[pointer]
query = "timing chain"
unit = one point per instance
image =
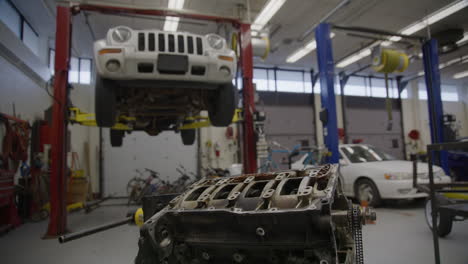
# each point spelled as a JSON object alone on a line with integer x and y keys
{"x": 357, "y": 233}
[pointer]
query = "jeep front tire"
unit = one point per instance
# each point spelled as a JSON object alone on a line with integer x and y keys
{"x": 222, "y": 105}
{"x": 105, "y": 103}
{"x": 188, "y": 136}
{"x": 116, "y": 137}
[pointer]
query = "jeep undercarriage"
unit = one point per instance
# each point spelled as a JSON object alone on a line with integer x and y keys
{"x": 160, "y": 109}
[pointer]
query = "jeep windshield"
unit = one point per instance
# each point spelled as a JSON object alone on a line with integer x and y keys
{"x": 365, "y": 153}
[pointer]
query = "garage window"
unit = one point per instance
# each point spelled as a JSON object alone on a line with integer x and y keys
{"x": 85, "y": 71}
{"x": 378, "y": 88}
{"x": 308, "y": 83}
{"x": 271, "y": 80}
{"x": 74, "y": 69}
{"x": 80, "y": 68}
{"x": 10, "y": 17}
{"x": 448, "y": 92}
{"x": 30, "y": 38}
{"x": 290, "y": 81}
{"x": 260, "y": 78}
{"x": 15, "y": 21}
{"x": 52, "y": 61}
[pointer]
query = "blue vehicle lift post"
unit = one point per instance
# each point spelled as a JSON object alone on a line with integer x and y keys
{"x": 434, "y": 100}
{"x": 327, "y": 93}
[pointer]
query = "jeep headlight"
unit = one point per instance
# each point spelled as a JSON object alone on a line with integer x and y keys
{"x": 121, "y": 34}
{"x": 398, "y": 176}
{"x": 215, "y": 42}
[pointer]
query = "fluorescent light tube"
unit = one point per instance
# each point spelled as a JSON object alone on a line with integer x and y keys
{"x": 309, "y": 47}
{"x": 268, "y": 11}
{"x": 463, "y": 40}
{"x": 176, "y": 4}
{"x": 435, "y": 17}
{"x": 355, "y": 57}
{"x": 171, "y": 23}
{"x": 460, "y": 60}
{"x": 460, "y": 75}
{"x": 297, "y": 55}
{"x": 412, "y": 28}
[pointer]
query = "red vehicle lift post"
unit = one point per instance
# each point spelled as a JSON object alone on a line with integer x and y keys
{"x": 58, "y": 212}
{"x": 249, "y": 145}
{"x": 58, "y": 219}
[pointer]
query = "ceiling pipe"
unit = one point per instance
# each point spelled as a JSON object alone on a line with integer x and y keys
{"x": 88, "y": 24}
{"x": 356, "y": 35}
{"x": 324, "y": 19}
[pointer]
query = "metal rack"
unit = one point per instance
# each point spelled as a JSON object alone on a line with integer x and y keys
{"x": 455, "y": 209}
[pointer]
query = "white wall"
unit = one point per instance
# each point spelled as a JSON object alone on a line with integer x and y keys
{"x": 318, "y": 123}
{"x": 27, "y": 94}
{"x": 85, "y": 140}
{"x": 216, "y": 136}
{"x": 162, "y": 153}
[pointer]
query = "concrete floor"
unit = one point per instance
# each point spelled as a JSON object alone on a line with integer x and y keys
{"x": 400, "y": 236}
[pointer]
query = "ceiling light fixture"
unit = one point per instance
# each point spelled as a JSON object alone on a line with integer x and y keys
{"x": 357, "y": 56}
{"x": 268, "y": 11}
{"x": 460, "y": 75}
{"x": 463, "y": 40}
{"x": 171, "y": 23}
{"x": 456, "y": 61}
{"x": 309, "y": 47}
{"x": 412, "y": 28}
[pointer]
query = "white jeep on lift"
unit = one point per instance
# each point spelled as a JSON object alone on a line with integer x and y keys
{"x": 161, "y": 78}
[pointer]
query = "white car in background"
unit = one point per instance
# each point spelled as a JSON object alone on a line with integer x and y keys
{"x": 369, "y": 174}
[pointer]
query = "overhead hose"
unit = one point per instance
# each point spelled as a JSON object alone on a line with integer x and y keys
{"x": 388, "y": 105}
{"x": 388, "y": 61}
{"x": 15, "y": 142}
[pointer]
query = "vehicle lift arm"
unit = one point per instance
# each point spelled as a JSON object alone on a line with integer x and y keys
{"x": 88, "y": 119}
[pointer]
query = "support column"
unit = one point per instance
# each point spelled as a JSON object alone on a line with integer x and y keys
{"x": 343, "y": 80}
{"x": 434, "y": 100}
{"x": 326, "y": 73}
{"x": 249, "y": 147}
{"x": 58, "y": 214}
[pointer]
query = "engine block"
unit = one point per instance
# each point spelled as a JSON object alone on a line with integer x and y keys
{"x": 294, "y": 216}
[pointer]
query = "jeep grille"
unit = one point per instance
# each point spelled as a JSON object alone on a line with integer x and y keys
{"x": 170, "y": 43}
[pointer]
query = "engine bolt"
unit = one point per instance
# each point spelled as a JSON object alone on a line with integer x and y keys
{"x": 205, "y": 256}
{"x": 260, "y": 231}
{"x": 238, "y": 257}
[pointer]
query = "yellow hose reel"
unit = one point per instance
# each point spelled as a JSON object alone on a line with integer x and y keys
{"x": 388, "y": 60}
{"x": 260, "y": 45}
